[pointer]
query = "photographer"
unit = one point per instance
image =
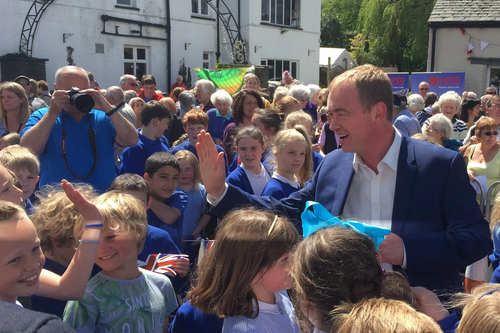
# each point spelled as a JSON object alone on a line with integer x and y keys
{"x": 77, "y": 143}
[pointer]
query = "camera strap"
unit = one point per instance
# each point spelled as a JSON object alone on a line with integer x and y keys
{"x": 93, "y": 146}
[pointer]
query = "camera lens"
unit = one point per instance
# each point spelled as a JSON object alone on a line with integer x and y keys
{"x": 83, "y": 103}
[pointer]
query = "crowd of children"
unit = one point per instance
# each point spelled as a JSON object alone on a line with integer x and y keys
{"x": 127, "y": 260}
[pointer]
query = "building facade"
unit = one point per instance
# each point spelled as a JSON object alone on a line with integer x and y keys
{"x": 113, "y": 37}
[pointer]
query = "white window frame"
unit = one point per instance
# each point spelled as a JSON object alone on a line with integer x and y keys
{"x": 131, "y": 3}
{"x": 207, "y": 61}
{"x": 136, "y": 61}
{"x": 199, "y": 5}
{"x": 270, "y": 7}
{"x": 277, "y": 72}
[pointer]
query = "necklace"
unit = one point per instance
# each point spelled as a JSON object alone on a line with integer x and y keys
{"x": 7, "y": 125}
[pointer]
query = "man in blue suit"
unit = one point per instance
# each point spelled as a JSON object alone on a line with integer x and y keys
{"x": 380, "y": 177}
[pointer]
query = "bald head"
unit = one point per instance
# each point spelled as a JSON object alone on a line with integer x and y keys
{"x": 114, "y": 95}
{"x": 71, "y": 76}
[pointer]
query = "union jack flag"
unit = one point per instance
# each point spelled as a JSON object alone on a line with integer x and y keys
{"x": 161, "y": 263}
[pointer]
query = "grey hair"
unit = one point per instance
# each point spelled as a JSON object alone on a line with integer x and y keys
{"x": 115, "y": 93}
{"x": 451, "y": 96}
{"x": 471, "y": 95}
{"x": 180, "y": 77}
{"x": 435, "y": 109}
{"x": 221, "y": 96}
{"x": 315, "y": 89}
{"x": 128, "y": 95}
{"x": 442, "y": 125}
{"x": 300, "y": 92}
{"x": 206, "y": 86}
{"x": 61, "y": 71}
{"x": 124, "y": 78}
{"x": 187, "y": 98}
{"x": 416, "y": 102}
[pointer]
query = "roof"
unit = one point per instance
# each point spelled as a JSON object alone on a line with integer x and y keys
{"x": 333, "y": 53}
{"x": 465, "y": 11}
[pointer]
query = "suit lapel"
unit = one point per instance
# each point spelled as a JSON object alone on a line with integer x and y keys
{"x": 346, "y": 172}
{"x": 407, "y": 170}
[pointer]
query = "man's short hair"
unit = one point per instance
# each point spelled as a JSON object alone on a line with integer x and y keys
{"x": 60, "y": 71}
{"x": 90, "y": 76}
{"x": 205, "y": 85}
{"x": 115, "y": 93}
{"x": 195, "y": 117}
{"x": 431, "y": 98}
{"x": 128, "y": 95}
{"x": 152, "y": 110}
{"x": 130, "y": 182}
{"x": 124, "y": 78}
{"x": 372, "y": 84}
{"x": 160, "y": 159}
{"x": 148, "y": 79}
{"x": 20, "y": 158}
{"x": 42, "y": 84}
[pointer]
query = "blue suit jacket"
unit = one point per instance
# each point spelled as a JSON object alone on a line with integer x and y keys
{"x": 446, "y": 233}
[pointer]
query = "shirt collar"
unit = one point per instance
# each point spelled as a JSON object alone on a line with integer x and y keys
{"x": 227, "y": 116}
{"x": 294, "y": 184}
{"x": 390, "y": 159}
{"x": 262, "y": 171}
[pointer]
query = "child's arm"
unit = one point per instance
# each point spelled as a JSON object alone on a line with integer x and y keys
{"x": 72, "y": 284}
{"x": 204, "y": 220}
{"x": 164, "y": 212}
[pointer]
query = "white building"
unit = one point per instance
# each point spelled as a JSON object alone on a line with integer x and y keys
{"x": 111, "y": 37}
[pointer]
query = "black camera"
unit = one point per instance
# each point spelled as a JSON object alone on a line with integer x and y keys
{"x": 82, "y": 102}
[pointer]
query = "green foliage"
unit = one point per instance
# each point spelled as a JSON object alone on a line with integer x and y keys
{"x": 332, "y": 34}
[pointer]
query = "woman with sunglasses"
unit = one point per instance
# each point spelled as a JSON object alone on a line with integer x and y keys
{"x": 14, "y": 108}
{"x": 483, "y": 158}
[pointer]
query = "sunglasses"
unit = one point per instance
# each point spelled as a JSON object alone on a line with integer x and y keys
{"x": 25, "y": 83}
{"x": 133, "y": 84}
{"x": 490, "y": 133}
{"x": 424, "y": 88}
{"x": 491, "y": 93}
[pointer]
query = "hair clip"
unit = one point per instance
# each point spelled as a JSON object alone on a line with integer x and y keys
{"x": 384, "y": 274}
{"x": 488, "y": 293}
{"x": 97, "y": 241}
{"x": 97, "y": 225}
{"x": 272, "y": 225}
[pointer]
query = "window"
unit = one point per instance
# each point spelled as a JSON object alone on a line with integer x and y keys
{"x": 135, "y": 61}
{"x": 207, "y": 57}
{"x": 281, "y": 12}
{"x": 125, "y": 2}
{"x": 276, "y": 68}
{"x": 199, "y": 7}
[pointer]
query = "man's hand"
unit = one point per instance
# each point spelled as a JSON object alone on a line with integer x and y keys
{"x": 391, "y": 250}
{"x": 428, "y": 303}
{"x": 212, "y": 165}
{"x": 100, "y": 103}
{"x": 59, "y": 100}
{"x": 181, "y": 266}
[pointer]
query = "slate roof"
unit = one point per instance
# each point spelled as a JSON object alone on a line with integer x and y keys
{"x": 465, "y": 11}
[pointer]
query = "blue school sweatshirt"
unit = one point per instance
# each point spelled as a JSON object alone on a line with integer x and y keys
{"x": 189, "y": 319}
{"x": 187, "y": 146}
{"x": 277, "y": 189}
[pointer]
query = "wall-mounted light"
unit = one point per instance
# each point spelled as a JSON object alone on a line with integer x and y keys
{"x": 256, "y": 48}
{"x": 284, "y": 31}
{"x": 310, "y": 51}
{"x": 186, "y": 46}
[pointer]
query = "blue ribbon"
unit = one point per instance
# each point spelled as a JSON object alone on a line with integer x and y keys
{"x": 316, "y": 217}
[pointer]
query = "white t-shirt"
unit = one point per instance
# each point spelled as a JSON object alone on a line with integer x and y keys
{"x": 259, "y": 181}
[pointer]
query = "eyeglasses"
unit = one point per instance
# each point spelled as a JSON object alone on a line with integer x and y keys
{"x": 495, "y": 106}
{"x": 133, "y": 84}
{"x": 432, "y": 128}
{"x": 491, "y": 93}
{"x": 424, "y": 88}
{"x": 490, "y": 133}
{"x": 25, "y": 83}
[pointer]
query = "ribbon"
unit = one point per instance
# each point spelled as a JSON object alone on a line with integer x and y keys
{"x": 316, "y": 217}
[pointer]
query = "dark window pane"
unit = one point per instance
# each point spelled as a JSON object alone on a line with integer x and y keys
{"x": 265, "y": 10}
{"x": 288, "y": 12}
{"x": 123, "y": 2}
{"x": 141, "y": 69}
{"x": 141, "y": 54}
{"x": 286, "y": 65}
{"x": 294, "y": 69}
{"x": 206, "y": 65}
{"x": 205, "y": 56}
{"x": 263, "y": 62}
{"x": 272, "y": 75}
{"x": 273, "y": 11}
{"x": 128, "y": 53}
{"x": 194, "y": 6}
{"x": 279, "y": 12}
{"x": 128, "y": 68}
{"x": 204, "y": 7}
{"x": 279, "y": 68}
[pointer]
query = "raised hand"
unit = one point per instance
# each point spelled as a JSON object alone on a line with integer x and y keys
{"x": 212, "y": 165}
{"x": 88, "y": 210}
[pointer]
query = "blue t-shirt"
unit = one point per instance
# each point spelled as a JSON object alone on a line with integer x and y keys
{"x": 134, "y": 158}
{"x": 196, "y": 202}
{"x": 189, "y": 319}
{"x": 78, "y": 149}
{"x": 177, "y": 200}
{"x": 187, "y": 146}
{"x": 157, "y": 241}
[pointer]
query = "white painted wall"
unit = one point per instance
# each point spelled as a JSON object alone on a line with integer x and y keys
{"x": 451, "y": 54}
{"x": 83, "y": 19}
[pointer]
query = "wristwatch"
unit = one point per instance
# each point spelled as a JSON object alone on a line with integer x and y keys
{"x": 118, "y": 107}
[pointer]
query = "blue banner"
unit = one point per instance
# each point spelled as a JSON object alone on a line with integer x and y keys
{"x": 439, "y": 82}
{"x": 400, "y": 82}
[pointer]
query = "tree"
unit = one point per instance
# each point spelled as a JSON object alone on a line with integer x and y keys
{"x": 339, "y": 21}
{"x": 332, "y": 34}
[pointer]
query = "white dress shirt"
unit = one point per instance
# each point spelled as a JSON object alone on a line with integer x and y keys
{"x": 294, "y": 184}
{"x": 371, "y": 196}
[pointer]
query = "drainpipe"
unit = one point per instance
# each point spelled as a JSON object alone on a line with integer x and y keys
{"x": 169, "y": 47}
{"x": 433, "y": 48}
{"x": 217, "y": 54}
